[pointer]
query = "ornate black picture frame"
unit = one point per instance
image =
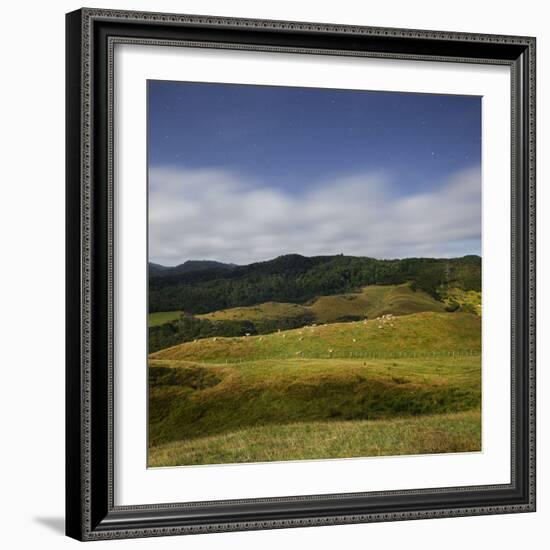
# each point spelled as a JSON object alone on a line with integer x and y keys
{"x": 90, "y": 509}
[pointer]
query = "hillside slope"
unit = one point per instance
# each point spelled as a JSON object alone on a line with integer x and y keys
{"x": 190, "y": 399}
{"x": 420, "y": 332}
{"x": 426, "y": 434}
{"x": 258, "y": 398}
{"x": 372, "y": 301}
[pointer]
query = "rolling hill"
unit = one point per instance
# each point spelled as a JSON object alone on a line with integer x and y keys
{"x": 260, "y": 312}
{"x": 372, "y": 301}
{"x": 386, "y": 360}
{"x": 411, "y": 386}
{"x": 191, "y": 399}
{"x": 429, "y": 331}
{"x": 314, "y": 440}
{"x": 389, "y": 385}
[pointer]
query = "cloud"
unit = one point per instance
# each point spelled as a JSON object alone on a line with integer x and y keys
{"x": 220, "y": 215}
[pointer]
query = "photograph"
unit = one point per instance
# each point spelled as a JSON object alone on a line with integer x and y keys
{"x": 314, "y": 273}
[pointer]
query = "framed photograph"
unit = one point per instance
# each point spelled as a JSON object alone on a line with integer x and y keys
{"x": 300, "y": 274}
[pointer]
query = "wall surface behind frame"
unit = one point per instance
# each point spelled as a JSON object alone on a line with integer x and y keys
{"x": 32, "y": 245}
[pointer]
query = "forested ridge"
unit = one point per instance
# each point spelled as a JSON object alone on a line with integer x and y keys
{"x": 297, "y": 279}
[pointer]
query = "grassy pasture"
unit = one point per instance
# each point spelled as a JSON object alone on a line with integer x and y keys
{"x": 190, "y": 400}
{"x": 374, "y": 301}
{"x": 161, "y": 317}
{"x": 443, "y": 433}
{"x": 371, "y": 302}
{"x": 267, "y": 310}
{"x": 407, "y": 385}
{"x": 408, "y": 335}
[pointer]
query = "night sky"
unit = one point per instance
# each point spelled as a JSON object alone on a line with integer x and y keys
{"x": 216, "y": 151}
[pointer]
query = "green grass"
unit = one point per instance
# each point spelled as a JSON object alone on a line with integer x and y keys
{"x": 267, "y": 310}
{"x": 421, "y": 333}
{"x": 161, "y": 317}
{"x": 188, "y": 400}
{"x": 371, "y": 302}
{"x": 374, "y": 301}
{"x": 444, "y": 433}
{"x": 283, "y": 396}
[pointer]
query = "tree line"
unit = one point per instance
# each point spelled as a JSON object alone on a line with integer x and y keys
{"x": 298, "y": 279}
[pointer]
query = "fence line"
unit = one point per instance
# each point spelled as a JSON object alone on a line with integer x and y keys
{"x": 357, "y": 355}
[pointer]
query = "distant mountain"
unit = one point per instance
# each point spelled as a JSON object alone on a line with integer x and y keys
{"x": 205, "y": 286}
{"x": 156, "y": 268}
{"x": 188, "y": 267}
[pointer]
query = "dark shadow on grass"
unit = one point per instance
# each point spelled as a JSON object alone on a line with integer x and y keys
{"x": 56, "y": 524}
